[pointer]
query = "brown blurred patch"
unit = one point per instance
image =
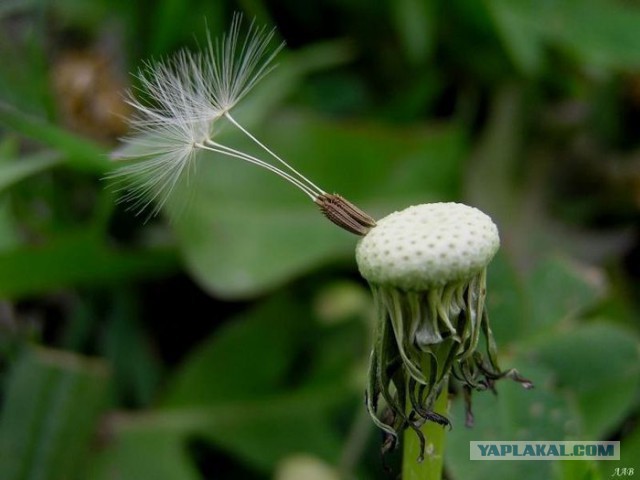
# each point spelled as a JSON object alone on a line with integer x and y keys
{"x": 89, "y": 94}
{"x": 632, "y": 87}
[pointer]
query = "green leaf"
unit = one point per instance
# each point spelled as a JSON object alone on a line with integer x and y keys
{"x": 600, "y": 34}
{"x": 260, "y": 431}
{"x": 491, "y": 171}
{"x": 136, "y": 367}
{"x": 49, "y": 415}
{"x": 144, "y": 453}
{"x": 9, "y": 234}
{"x": 517, "y": 24}
{"x": 559, "y": 290}
{"x": 81, "y": 153}
{"x": 415, "y": 24}
{"x": 600, "y": 365}
{"x": 513, "y": 414}
{"x": 582, "y": 470}
{"x": 233, "y": 390}
{"x": 73, "y": 259}
{"x": 629, "y": 448}
{"x": 17, "y": 170}
{"x": 169, "y": 18}
{"x": 506, "y": 300}
{"x": 11, "y": 7}
{"x": 529, "y": 307}
{"x": 245, "y": 358}
{"x": 586, "y": 381}
{"x": 262, "y": 437}
{"x": 24, "y": 72}
{"x": 246, "y": 231}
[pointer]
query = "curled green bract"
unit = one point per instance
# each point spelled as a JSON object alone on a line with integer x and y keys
{"x": 426, "y": 266}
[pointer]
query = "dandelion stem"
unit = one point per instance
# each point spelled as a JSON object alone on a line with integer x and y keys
{"x": 435, "y": 435}
{"x": 317, "y": 190}
{"x": 219, "y": 148}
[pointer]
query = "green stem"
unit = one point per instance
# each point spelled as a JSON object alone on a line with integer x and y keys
{"x": 431, "y": 467}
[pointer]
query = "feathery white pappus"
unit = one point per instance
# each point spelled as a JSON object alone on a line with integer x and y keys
{"x": 180, "y": 101}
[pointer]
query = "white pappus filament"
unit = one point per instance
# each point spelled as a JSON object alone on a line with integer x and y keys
{"x": 181, "y": 101}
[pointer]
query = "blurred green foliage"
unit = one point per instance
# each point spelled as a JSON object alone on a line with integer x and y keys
{"x": 234, "y": 338}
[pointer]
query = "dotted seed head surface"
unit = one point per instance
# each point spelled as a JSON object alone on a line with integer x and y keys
{"x": 427, "y": 246}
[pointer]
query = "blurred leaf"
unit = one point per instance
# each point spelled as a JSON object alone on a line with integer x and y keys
{"x": 9, "y": 236}
{"x": 490, "y": 176}
{"x": 290, "y": 72}
{"x": 246, "y": 231}
{"x": 415, "y": 24}
{"x": 49, "y": 415}
{"x": 586, "y": 381}
{"x": 245, "y": 358}
{"x": 506, "y": 300}
{"x": 169, "y": 17}
{"x": 517, "y": 22}
{"x": 600, "y": 365}
{"x": 142, "y": 454}
{"x": 11, "y": 7}
{"x": 629, "y": 448}
{"x": 559, "y": 290}
{"x": 261, "y": 438}
{"x": 24, "y": 78}
{"x": 136, "y": 368}
{"x": 341, "y": 301}
{"x": 260, "y": 431}
{"x": 17, "y": 170}
{"x": 513, "y": 414}
{"x": 82, "y": 154}
{"x": 583, "y": 470}
{"x": 601, "y": 34}
{"x": 232, "y": 391}
{"x": 73, "y": 259}
{"x": 299, "y": 466}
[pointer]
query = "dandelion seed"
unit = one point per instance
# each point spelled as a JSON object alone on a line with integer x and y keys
{"x": 182, "y": 100}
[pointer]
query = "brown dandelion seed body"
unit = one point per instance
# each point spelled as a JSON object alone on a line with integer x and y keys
{"x": 345, "y": 214}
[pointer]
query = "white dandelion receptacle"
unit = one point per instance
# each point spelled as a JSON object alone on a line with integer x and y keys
{"x": 428, "y": 246}
{"x": 426, "y": 266}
